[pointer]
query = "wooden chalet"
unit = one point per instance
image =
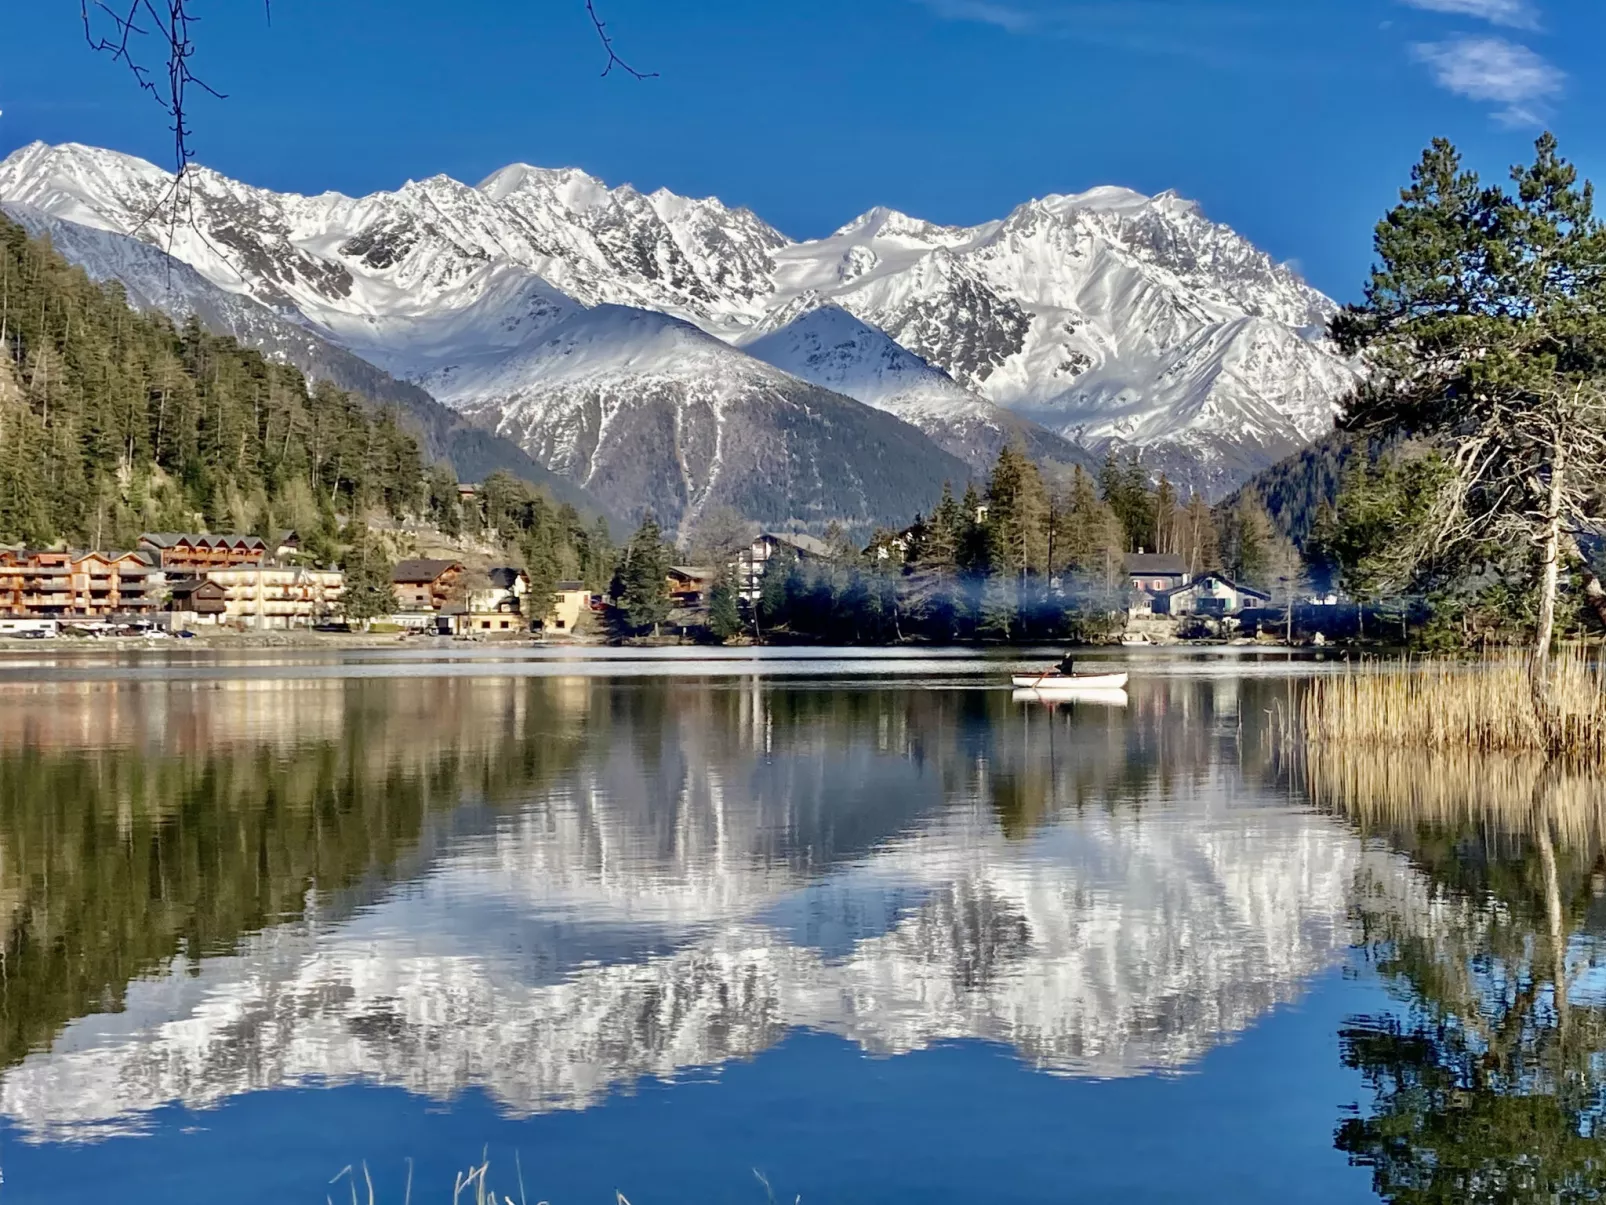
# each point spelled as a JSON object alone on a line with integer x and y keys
{"x": 424, "y": 584}
{"x": 180, "y": 552}
{"x": 66, "y": 584}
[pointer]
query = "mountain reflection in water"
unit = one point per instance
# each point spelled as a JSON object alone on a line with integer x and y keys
{"x": 550, "y": 888}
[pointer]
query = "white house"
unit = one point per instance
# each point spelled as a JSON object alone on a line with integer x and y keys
{"x": 1210, "y": 594}
{"x": 753, "y": 559}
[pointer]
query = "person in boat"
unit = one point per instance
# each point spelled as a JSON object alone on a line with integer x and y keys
{"x": 1067, "y": 665}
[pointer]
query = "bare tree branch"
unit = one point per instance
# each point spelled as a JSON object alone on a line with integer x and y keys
{"x": 607, "y": 44}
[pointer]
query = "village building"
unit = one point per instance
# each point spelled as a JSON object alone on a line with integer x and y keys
{"x": 1155, "y": 573}
{"x": 689, "y": 585}
{"x": 498, "y": 606}
{"x": 186, "y": 553}
{"x": 570, "y": 600}
{"x": 891, "y": 546}
{"x": 503, "y": 593}
{"x": 267, "y": 597}
{"x": 72, "y": 585}
{"x": 751, "y": 562}
{"x": 1211, "y": 594}
{"x": 424, "y": 584}
{"x": 196, "y": 600}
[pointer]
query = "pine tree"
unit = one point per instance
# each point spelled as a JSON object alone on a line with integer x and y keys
{"x": 724, "y": 609}
{"x": 1017, "y": 515}
{"x": 1247, "y": 542}
{"x": 369, "y": 592}
{"x": 1124, "y": 487}
{"x": 1484, "y": 326}
{"x": 640, "y": 585}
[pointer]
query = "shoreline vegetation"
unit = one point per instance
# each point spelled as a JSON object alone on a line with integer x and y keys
{"x": 1483, "y": 331}
{"x": 1482, "y": 706}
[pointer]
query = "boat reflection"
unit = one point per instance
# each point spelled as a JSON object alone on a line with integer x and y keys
{"x": 1070, "y": 698}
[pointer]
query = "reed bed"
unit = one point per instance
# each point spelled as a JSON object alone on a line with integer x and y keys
{"x": 1484, "y": 707}
{"x": 1447, "y": 789}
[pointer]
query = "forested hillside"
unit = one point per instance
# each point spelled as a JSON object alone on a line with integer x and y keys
{"x": 114, "y": 422}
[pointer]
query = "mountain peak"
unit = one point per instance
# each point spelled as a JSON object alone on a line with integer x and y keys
{"x": 580, "y": 189}
{"x": 882, "y": 222}
{"x": 1105, "y": 314}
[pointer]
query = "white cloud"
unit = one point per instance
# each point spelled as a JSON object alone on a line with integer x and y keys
{"x": 1495, "y": 71}
{"x": 1515, "y": 14}
{"x": 983, "y": 12}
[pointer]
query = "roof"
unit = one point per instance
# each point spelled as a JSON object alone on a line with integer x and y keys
{"x": 421, "y": 570}
{"x": 190, "y": 585}
{"x": 171, "y": 539}
{"x": 568, "y": 587}
{"x": 807, "y": 545}
{"x": 503, "y": 577}
{"x": 1166, "y": 564}
{"x": 695, "y": 573}
{"x": 1217, "y": 575}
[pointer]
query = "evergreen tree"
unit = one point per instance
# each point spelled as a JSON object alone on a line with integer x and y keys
{"x": 1125, "y": 489}
{"x": 369, "y": 592}
{"x": 1484, "y": 326}
{"x": 640, "y": 585}
{"x": 724, "y": 609}
{"x": 775, "y": 586}
{"x": 1017, "y": 515}
{"x": 971, "y": 553}
{"x": 1247, "y": 543}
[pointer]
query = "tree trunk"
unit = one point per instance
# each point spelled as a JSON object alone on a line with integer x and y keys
{"x": 1543, "y": 797}
{"x": 1549, "y": 583}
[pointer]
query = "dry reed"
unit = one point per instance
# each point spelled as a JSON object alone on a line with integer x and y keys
{"x": 1446, "y": 789}
{"x": 1485, "y": 707}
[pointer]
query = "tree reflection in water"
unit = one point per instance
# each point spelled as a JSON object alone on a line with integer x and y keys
{"x": 1488, "y": 1079}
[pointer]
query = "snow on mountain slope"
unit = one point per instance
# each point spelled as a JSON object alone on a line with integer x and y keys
{"x": 829, "y": 347}
{"x": 660, "y": 417}
{"x": 1108, "y": 316}
{"x": 156, "y": 281}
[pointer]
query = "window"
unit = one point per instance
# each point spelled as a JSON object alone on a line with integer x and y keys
{"x": 504, "y": 625}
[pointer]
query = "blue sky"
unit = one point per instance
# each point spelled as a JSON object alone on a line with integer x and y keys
{"x": 1295, "y": 121}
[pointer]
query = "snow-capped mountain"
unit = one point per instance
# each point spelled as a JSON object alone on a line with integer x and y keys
{"x": 155, "y": 280}
{"x": 1108, "y": 316}
{"x": 657, "y": 415}
{"x": 827, "y": 346}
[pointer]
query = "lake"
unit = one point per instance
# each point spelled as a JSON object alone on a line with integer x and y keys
{"x": 834, "y": 925}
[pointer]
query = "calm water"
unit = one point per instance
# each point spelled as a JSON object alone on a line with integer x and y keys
{"x": 859, "y": 930}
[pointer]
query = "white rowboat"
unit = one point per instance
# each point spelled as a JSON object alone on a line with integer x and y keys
{"x": 1054, "y": 682}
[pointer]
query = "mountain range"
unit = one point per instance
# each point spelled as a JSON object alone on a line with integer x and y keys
{"x": 672, "y": 354}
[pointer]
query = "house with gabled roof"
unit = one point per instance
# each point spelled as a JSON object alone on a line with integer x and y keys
{"x": 1210, "y": 594}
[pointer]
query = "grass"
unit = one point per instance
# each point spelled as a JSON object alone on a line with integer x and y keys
{"x": 1483, "y": 707}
